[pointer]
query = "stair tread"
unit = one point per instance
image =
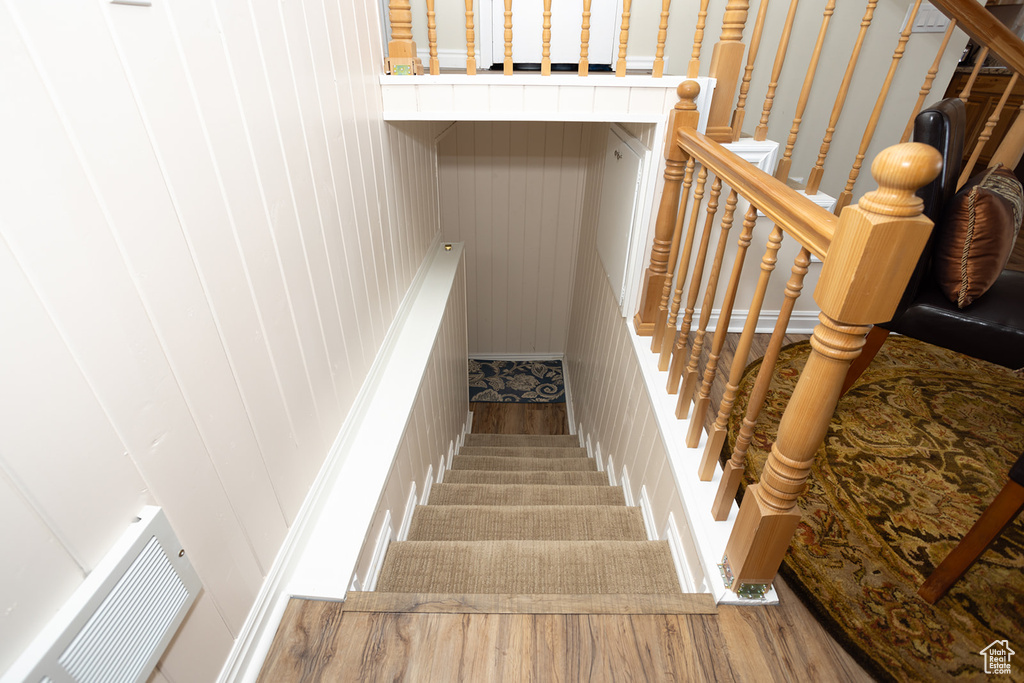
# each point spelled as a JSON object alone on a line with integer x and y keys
{"x": 567, "y": 441}
{"x": 524, "y": 494}
{"x": 524, "y": 451}
{"x": 507, "y": 603}
{"x": 585, "y": 478}
{"x": 570, "y": 567}
{"x": 488, "y": 462}
{"x": 526, "y": 522}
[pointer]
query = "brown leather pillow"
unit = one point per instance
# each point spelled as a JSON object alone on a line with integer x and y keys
{"x": 975, "y": 236}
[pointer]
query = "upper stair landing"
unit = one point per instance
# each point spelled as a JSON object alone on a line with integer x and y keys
{"x": 524, "y": 97}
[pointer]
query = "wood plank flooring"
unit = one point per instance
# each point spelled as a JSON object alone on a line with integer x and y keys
{"x": 321, "y": 641}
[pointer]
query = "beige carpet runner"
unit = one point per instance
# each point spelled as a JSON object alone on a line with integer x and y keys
{"x": 521, "y": 517}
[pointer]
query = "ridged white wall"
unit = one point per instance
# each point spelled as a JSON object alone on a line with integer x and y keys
{"x": 513, "y": 193}
{"x": 205, "y": 232}
{"x": 439, "y": 414}
{"x": 608, "y": 392}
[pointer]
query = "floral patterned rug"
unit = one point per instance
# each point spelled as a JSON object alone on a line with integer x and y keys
{"x": 513, "y": 381}
{"x": 916, "y": 450}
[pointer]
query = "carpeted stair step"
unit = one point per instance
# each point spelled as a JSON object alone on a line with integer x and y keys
{"x": 527, "y": 522}
{"x": 561, "y": 567}
{"x": 497, "y": 477}
{"x": 506, "y": 464}
{"x": 518, "y": 494}
{"x": 521, "y": 440}
{"x": 524, "y": 451}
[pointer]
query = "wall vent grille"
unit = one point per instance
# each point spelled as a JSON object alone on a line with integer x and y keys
{"x": 118, "y": 623}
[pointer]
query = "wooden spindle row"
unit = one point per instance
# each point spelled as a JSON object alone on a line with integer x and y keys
{"x": 761, "y": 132}
{"x": 748, "y": 72}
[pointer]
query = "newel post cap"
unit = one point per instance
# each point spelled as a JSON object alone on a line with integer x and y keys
{"x": 687, "y": 92}
{"x": 899, "y": 171}
{"x": 877, "y": 243}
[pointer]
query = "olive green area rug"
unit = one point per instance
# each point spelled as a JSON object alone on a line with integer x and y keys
{"x": 916, "y": 451}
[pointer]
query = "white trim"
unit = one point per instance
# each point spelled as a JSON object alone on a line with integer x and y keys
{"x": 446, "y": 58}
{"x": 648, "y": 514}
{"x": 439, "y": 479}
{"x": 428, "y": 482}
{"x": 597, "y": 457}
{"x": 380, "y": 549}
{"x": 590, "y": 449}
{"x": 611, "y": 471}
{"x": 410, "y": 508}
{"x": 498, "y": 355}
{"x": 761, "y": 153}
{"x": 579, "y": 433}
{"x": 422, "y": 307}
{"x": 467, "y": 428}
{"x": 355, "y": 585}
{"x": 627, "y": 490}
{"x": 697, "y": 496}
{"x": 452, "y": 447}
{"x": 675, "y": 545}
{"x": 570, "y": 414}
{"x": 647, "y": 179}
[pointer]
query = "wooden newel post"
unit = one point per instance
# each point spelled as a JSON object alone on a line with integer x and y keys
{"x": 684, "y": 114}
{"x": 401, "y": 48}
{"x": 869, "y": 262}
{"x": 726, "y": 65}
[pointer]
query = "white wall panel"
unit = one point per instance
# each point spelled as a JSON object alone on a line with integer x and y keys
{"x": 206, "y": 229}
{"x": 513, "y": 193}
{"x": 609, "y": 396}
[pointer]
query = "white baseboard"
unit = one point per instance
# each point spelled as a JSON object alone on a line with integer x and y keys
{"x": 590, "y": 449}
{"x": 687, "y": 581}
{"x": 800, "y": 322}
{"x": 627, "y": 490}
{"x": 410, "y": 507}
{"x": 597, "y": 457}
{"x": 501, "y": 355}
{"x": 611, "y": 471}
{"x": 429, "y": 483}
{"x": 579, "y": 433}
{"x": 648, "y": 515}
{"x": 570, "y": 415}
{"x": 380, "y": 549}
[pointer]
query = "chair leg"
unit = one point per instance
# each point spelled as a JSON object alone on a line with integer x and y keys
{"x": 876, "y": 337}
{"x": 1003, "y": 510}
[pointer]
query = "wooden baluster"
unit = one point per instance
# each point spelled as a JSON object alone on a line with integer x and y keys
{"x": 1011, "y": 148}
{"x": 470, "y": 40}
{"x": 659, "y": 51}
{"x": 620, "y": 65}
{"x": 965, "y": 94}
{"x": 545, "y": 57}
{"x": 703, "y": 398}
{"x": 401, "y": 47}
{"x": 732, "y": 474}
{"x": 679, "y": 354}
{"x": 986, "y": 133}
{"x": 669, "y": 334}
{"x": 782, "y": 171}
{"x": 726, "y": 62}
{"x": 507, "y": 64}
{"x": 814, "y": 177}
{"x": 748, "y": 72}
{"x": 717, "y": 437}
{"x": 710, "y": 290}
{"x": 761, "y": 132}
{"x": 584, "y": 39}
{"x": 684, "y": 114}
{"x": 878, "y": 241}
{"x": 846, "y": 196}
{"x": 929, "y": 78}
{"x": 662, "y": 317}
{"x": 435, "y": 66}
{"x": 693, "y": 68}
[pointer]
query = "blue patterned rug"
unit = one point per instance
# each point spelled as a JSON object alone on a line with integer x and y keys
{"x": 516, "y": 381}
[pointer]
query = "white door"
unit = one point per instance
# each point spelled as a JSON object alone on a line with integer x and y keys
{"x": 619, "y": 202}
{"x": 566, "y": 25}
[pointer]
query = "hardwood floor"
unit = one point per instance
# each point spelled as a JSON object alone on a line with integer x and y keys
{"x": 519, "y": 418}
{"x": 321, "y": 641}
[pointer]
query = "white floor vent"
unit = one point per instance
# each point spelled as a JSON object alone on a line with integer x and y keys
{"x": 118, "y": 623}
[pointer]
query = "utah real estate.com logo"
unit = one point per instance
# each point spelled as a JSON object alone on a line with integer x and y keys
{"x": 997, "y": 657}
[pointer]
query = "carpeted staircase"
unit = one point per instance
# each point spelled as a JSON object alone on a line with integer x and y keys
{"x": 531, "y": 515}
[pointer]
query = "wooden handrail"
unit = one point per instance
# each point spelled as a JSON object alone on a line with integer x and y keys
{"x": 808, "y": 223}
{"x": 973, "y": 19}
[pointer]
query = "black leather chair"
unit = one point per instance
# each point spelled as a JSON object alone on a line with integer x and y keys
{"x": 991, "y": 328}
